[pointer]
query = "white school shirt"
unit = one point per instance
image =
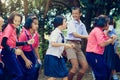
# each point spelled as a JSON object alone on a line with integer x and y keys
{"x": 55, "y": 37}
{"x": 75, "y": 26}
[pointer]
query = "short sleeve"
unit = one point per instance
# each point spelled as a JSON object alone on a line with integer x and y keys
{"x": 100, "y": 37}
{"x": 22, "y": 37}
{"x": 53, "y": 37}
{"x": 37, "y": 40}
{"x": 8, "y": 31}
{"x": 84, "y": 30}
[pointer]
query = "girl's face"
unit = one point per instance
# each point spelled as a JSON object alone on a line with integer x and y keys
{"x": 64, "y": 24}
{"x": 16, "y": 21}
{"x": 106, "y": 27}
{"x": 35, "y": 24}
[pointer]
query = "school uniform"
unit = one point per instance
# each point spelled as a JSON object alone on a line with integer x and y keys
{"x": 1, "y": 63}
{"x": 54, "y": 64}
{"x": 1, "y": 34}
{"x": 94, "y": 54}
{"x": 29, "y": 53}
{"x": 12, "y": 67}
{"x": 110, "y": 55}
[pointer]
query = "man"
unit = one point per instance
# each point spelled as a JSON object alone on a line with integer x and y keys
{"x": 75, "y": 32}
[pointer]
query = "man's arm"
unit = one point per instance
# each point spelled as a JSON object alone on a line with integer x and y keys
{"x": 76, "y": 35}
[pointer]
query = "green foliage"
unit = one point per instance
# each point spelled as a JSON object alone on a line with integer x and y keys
{"x": 90, "y": 9}
{"x": 41, "y": 50}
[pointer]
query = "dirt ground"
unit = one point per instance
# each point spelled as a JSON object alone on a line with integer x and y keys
{"x": 87, "y": 76}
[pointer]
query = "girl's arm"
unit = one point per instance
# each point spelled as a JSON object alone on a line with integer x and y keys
{"x": 31, "y": 41}
{"x": 6, "y": 47}
{"x": 16, "y": 51}
{"x": 37, "y": 55}
{"x": 28, "y": 63}
{"x": 54, "y": 44}
{"x": 79, "y": 36}
{"x": 110, "y": 40}
{"x": 21, "y": 43}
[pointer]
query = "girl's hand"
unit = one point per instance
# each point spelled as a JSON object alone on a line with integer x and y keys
{"x": 114, "y": 37}
{"x": 18, "y": 51}
{"x": 28, "y": 63}
{"x": 31, "y": 41}
{"x": 39, "y": 61}
{"x": 73, "y": 45}
{"x": 69, "y": 46}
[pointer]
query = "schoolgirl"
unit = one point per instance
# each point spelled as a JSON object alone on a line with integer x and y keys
{"x": 1, "y": 33}
{"x": 31, "y": 51}
{"x": 1, "y": 63}
{"x": 110, "y": 52}
{"x": 97, "y": 40}
{"x": 9, "y": 51}
{"x": 54, "y": 64}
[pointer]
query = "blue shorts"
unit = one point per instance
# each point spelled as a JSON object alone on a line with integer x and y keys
{"x": 55, "y": 67}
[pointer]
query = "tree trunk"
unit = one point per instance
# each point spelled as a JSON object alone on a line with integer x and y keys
{"x": 76, "y": 3}
{"x": 26, "y": 8}
{"x": 89, "y": 16}
{"x": 42, "y": 26}
{"x": 0, "y": 8}
{"x": 47, "y": 8}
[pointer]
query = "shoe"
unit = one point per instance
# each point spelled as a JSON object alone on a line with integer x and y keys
{"x": 115, "y": 77}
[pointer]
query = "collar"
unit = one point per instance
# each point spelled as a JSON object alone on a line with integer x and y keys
{"x": 57, "y": 29}
{"x": 12, "y": 26}
{"x": 28, "y": 32}
{"x": 76, "y": 22}
{"x": 99, "y": 28}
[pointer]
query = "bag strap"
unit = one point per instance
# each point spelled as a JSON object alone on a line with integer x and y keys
{"x": 30, "y": 44}
{"x": 28, "y": 39}
{"x": 62, "y": 37}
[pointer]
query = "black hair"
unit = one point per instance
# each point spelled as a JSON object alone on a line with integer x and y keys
{"x": 76, "y": 8}
{"x": 31, "y": 15}
{"x": 101, "y": 21}
{"x": 58, "y": 21}
{"x": 28, "y": 22}
{"x": 4, "y": 26}
{"x": 112, "y": 22}
{"x": 94, "y": 21}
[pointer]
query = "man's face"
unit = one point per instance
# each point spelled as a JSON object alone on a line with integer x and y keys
{"x": 76, "y": 14}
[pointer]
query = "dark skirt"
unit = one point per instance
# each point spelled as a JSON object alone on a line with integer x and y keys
{"x": 55, "y": 67}
{"x": 12, "y": 69}
{"x": 28, "y": 73}
{"x": 98, "y": 65}
{"x": 112, "y": 58}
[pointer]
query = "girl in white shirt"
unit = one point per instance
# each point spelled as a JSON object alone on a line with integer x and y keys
{"x": 54, "y": 64}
